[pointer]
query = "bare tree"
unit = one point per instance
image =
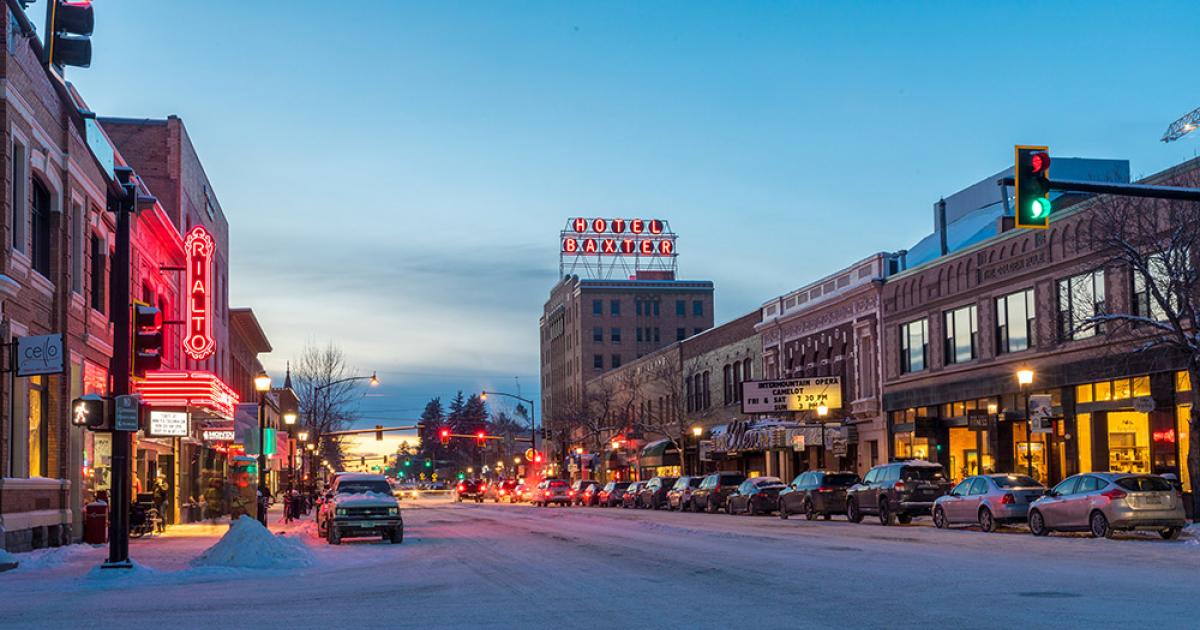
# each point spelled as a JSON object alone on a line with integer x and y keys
{"x": 327, "y": 400}
{"x": 662, "y": 386}
{"x": 1157, "y": 242}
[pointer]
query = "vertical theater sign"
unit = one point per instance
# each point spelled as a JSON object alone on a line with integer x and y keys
{"x": 198, "y": 249}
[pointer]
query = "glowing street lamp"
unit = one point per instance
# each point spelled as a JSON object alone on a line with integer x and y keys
{"x": 697, "y": 431}
{"x": 262, "y": 384}
{"x": 1024, "y": 379}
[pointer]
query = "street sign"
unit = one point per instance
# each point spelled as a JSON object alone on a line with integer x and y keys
{"x": 126, "y": 416}
{"x": 218, "y": 435}
{"x": 42, "y": 354}
{"x": 798, "y": 444}
{"x": 792, "y": 394}
{"x": 169, "y": 423}
{"x": 1040, "y": 420}
{"x": 1143, "y": 404}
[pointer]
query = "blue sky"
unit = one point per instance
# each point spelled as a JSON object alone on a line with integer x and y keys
{"x": 395, "y": 180}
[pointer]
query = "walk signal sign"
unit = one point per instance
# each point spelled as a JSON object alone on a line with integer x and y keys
{"x": 1031, "y": 177}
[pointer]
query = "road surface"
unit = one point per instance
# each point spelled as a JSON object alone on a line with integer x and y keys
{"x": 506, "y": 566}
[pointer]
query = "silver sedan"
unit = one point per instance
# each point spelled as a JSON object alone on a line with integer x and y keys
{"x": 1102, "y": 503}
{"x": 988, "y": 501}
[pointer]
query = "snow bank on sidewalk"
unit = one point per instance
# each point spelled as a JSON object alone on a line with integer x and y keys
{"x": 249, "y": 545}
{"x": 7, "y": 560}
{"x": 50, "y": 557}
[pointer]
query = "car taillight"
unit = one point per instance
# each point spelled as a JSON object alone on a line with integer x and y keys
{"x": 900, "y": 487}
{"x": 824, "y": 489}
{"x": 503, "y": 492}
{"x": 1008, "y": 499}
{"x": 461, "y": 488}
{"x": 570, "y": 493}
{"x": 1114, "y": 494}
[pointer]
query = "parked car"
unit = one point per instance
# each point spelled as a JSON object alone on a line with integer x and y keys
{"x": 679, "y": 497}
{"x": 611, "y": 494}
{"x": 470, "y": 490}
{"x": 632, "y": 497}
{"x": 551, "y": 491}
{"x": 816, "y": 493}
{"x": 988, "y": 500}
{"x": 654, "y": 494}
{"x": 710, "y": 495}
{"x": 579, "y": 488}
{"x": 1102, "y": 503}
{"x": 521, "y": 493}
{"x": 501, "y": 490}
{"x": 360, "y": 505}
{"x": 897, "y": 491}
{"x": 591, "y": 494}
{"x": 406, "y": 491}
{"x": 757, "y": 495}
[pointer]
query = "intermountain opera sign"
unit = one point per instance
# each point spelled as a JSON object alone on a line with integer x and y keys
{"x": 792, "y": 394}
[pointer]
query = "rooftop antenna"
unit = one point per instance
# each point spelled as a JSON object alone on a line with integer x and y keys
{"x": 1183, "y": 126}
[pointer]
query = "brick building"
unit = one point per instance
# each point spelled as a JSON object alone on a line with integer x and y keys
{"x": 958, "y": 328}
{"x": 590, "y": 326}
{"x": 831, "y": 327}
{"x": 53, "y": 279}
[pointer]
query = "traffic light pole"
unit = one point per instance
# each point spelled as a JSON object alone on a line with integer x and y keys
{"x": 120, "y": 498}
{"x": 1126, "y": 190}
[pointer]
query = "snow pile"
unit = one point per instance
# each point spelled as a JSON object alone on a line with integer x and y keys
{"x": 99, "y": 577}
{"x": 249, "y": 545}
{"x": 51, "y": 557}
{"x": 1191, "y": 534}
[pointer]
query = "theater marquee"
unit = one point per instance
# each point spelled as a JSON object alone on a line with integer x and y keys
{"x": 792, "y": 394}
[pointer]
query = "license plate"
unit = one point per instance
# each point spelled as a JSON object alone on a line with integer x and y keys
{"x": 366, "y": 524}
{"x": 1155, "y": 500}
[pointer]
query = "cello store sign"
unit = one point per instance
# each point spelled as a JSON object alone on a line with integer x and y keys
{"x": 42, "y": 354}
{"x": 792, "y": 394}
{"x": 198, "y": 247}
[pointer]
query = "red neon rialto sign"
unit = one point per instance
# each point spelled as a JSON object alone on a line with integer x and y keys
{"x": 198, "y": 247}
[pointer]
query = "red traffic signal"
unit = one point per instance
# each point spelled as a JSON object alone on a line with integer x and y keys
{"x": 480, "y": 438}
{"x": 444, "y": 436}
{"x": 1039, "y": 163}
{"x": 68, "y": 37}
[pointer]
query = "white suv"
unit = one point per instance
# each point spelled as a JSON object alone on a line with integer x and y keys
{"x": 360, "y": 505}
{"x": 552, "y": 491}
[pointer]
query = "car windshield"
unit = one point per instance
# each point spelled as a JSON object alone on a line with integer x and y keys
{"x": 1016, "y": 481}
{"x": 1145, "y": 484}
{"x": 924, "y": 473}
{"x": 363, "y": 487}
{"x": 695, "y": 482}
{"x": 841, "y": 479}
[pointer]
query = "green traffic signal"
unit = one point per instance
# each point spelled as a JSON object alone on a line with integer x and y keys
{"x": 1031, "y": 185}
{"x": 407, "y": 463}
{"x": 428, "y": 464}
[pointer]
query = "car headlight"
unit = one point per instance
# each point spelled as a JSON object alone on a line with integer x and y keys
{"x": 393, "y": 511}
{"x": 340, "y": 511}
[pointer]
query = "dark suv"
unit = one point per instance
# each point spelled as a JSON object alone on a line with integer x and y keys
{"x": 897, "y": 492}
{"x": 816, "y": 493}
{"x": 471, "y": 489}
{"x": 713, "y": 491}
{"x": 654, "y": 493}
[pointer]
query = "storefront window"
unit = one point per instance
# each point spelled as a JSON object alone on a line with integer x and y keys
{"x": 1141, "y": 386}
{"x": 1103, "y": 391}
{"x": 908, "y": 446}
{"x": 964, "y": 456}
{"x": 1083, "y": 393}
{"x": 1030, "y": 452}
{"x": 1083, "y": 436}
{"x": 38, "y": 435}
{"x": 1183, "y": 382}
{"x": 1128, "y": 442}
{"x": 1121, "y": 389}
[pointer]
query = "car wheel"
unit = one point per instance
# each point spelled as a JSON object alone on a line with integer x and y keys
{"x": 783, "y": 513}
{"x": 1037, "y": 524}
{"x": 886, "y": 518}
{"x": 939, "y": 518}
{"x": 750, "y": 509}
{"x": 1099, "y": 525}
{"x": 827, "y": 516}
{"x": 904, "y": 519}
{"x": 1170, "y": 533}
{"x": 852, "y": 513}
{"x": 987, "y": 522}
{"x": 710, "y": 507}
{"x": 398, "y": 535}
{"x": 335, "y": 537}
{"x": 810, "y": 513}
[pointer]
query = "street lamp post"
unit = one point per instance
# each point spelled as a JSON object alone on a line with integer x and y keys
{"x": 822, "y": 412}
{"x": 1024, "y": 379}
{"x": 262, "y": 383}
{"x": 532, "y": 414}
{"x": 289, "y": 419}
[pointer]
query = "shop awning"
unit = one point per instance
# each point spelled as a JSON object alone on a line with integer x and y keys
{"x": 188, "y": 389}
{"x": 659, "y": 453}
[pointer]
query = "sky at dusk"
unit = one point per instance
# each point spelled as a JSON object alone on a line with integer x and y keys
{"x": 395, "y": 179}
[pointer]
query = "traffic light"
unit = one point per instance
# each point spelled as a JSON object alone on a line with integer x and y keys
{"x": 428, "y": 464}
{"x": 407, "y": 463}
{"x": 147, "y": 339}
{"x": 379, "y": 433}
{"x": 1032, "y": 187}
{"x": 91, "y": 412}
{"x": 69, "y": 25}
{"x": 444, "y": 436}
{"x": 537, "y": 457}
{"x": 480, "y": 438}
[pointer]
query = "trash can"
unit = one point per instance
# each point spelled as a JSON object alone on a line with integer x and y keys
{"x": 95, "y": 523}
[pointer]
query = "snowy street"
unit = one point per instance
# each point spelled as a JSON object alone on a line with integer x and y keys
{"x": 486, "y": 565}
